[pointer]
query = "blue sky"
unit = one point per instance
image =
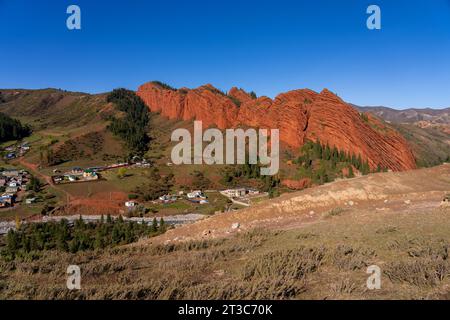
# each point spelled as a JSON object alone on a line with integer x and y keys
{"x": 265, "y": 46}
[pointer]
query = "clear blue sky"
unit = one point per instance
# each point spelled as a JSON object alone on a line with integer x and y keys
{"x": 265, "y": 46}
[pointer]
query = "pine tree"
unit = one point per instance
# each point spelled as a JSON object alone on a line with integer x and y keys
{"x": 327, "y": 155}
{"x": 351, "y": 174}
{"x": 162, "y": 225}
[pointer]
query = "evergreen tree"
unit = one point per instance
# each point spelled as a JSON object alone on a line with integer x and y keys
{"x": 162, "y": 225}
{"x": 351, "y": 174}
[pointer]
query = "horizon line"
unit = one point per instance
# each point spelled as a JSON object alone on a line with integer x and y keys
{"x": 135, "y": 90}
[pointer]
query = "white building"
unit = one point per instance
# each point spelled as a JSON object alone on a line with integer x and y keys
{"x": 195, "y": 194}
{"x": 130, "y": 204}
{"x": 235, "y": 193}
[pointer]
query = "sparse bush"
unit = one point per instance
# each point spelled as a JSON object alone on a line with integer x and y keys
{"x": 334, "y": 212}
{"x": 418, "y": 272}
{"x": 347, "y": 258}
{"x": 287, "y": 264}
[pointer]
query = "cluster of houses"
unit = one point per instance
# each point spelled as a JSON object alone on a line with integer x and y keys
{"x": 16, "y": 151}
{"x": 11, "y": 182}
{"x": 76, "y": 175}
{"x": 198, "y": 196}
{"x": 240, "y": 196}
{"x": 195, "y": 196}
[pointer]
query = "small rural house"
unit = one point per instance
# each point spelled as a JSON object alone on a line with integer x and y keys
{"x": 90, "y": 174}
{"x": 195, "y": 194}
{"x": 235, "y": 193}
{"x": 11, "y": 173}
{"x": 130, "y": 204}
{"x": 11, "y": 190}
{"x": 77, "y": 170}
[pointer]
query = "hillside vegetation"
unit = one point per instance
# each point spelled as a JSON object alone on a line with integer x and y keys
{"x": 430, "y": 146}
{"x": 133, "y": 127}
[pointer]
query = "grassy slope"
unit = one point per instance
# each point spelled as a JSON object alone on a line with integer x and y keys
{"x": 320, "y": 261}
{"x": 322, "y": 258}
{"x": 430, "y": 146}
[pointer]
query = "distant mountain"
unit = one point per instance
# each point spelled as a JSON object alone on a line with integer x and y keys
{"x": 426, "y": 130}
{"x": 436, "y": 116}
{"x": 50, "y": 108}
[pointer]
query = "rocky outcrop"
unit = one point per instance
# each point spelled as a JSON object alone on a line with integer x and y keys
{"x": 297, "y": 184}
{"x": 300, "y": 115}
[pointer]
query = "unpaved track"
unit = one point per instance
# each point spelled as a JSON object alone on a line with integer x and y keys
{"x": 381, "y": 192}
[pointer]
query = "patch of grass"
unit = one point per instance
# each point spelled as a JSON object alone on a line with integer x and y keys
{"x": 334, "y": 212}
{"x": 348, "y": 258}
{"x": 418, "y": 272}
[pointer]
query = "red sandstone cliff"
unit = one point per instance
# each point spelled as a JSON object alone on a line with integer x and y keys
{"x": 300, "y": 115}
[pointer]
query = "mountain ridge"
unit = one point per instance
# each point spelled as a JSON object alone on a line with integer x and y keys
{"x": 301, "y": 115}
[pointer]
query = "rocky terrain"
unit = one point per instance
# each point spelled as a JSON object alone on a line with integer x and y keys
{"x": 300, "y": 115}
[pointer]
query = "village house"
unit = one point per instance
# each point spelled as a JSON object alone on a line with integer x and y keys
{"x": 58, "y": 179}
{"x": 12, "y": 184}
{"x": 11, "y": 181}
{"x": 195, "y": 194}
{"x": 239, "y": 192}
{"x": 10, "y": 173}
{"x": 235, "y": 193}
{"x": 89, "y": 174}
{"x": 77, "y": 171}
{"x": 168, "y": 198}
{"x": 130, "y": 204}
{"x": 6, "y": 201}
{"x": 11, "y": 190}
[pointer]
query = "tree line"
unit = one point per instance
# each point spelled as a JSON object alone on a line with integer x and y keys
{"x": 331, "y": 157}
{"x": 12, "y": 129}
{"x": 109, "y": 232}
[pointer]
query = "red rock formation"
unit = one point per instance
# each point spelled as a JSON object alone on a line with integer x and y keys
{"x": 300, "y": 115}
{"x": 297, "y": 184}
